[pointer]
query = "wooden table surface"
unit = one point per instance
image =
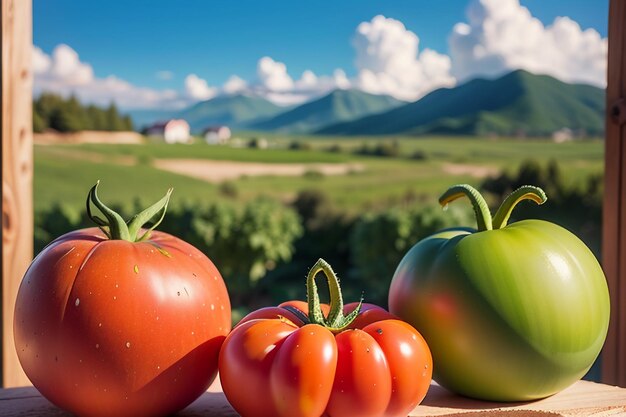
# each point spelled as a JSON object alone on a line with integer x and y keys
{"x": 584, "y": 398}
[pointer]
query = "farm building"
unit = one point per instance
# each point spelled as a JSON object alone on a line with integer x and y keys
{"x": 172, "y": 131}
{"x": 216, "y": 135}
{"x": 563, "y": 135}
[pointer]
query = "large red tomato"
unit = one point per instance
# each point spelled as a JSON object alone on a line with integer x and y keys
{"x": 110, "y": 326}
{"x": 299, "y": 360}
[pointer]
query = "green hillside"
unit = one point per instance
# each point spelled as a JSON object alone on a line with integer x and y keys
{"x": 517, "y": 103}
{"x": 338, "y": 106}
{"x": 145, "y": 117}
{"x": 235, "y": 111}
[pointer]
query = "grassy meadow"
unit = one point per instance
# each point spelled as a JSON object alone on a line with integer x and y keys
{"x": 419, "y": 170}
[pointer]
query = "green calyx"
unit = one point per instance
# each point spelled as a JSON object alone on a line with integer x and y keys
{"x": 114, "y": 226}
{"x": 484, "y": 220}
{"x": 336, "y": 321}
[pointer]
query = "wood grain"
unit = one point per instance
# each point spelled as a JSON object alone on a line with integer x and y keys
{"x": 17, "y": 171}
{"x": 584, "y": 398}
{"x": 614, "y": 214}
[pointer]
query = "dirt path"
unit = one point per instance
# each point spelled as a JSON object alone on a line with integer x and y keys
{"x": 218, "y": 171}
{"x": 476, "y": 171}
{"x": 88, "y": 136}
{"x": 90, "y": 156}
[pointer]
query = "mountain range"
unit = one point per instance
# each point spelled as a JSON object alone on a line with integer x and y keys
{"x": 517, "y": 103}
{"x": 336, "y": 107}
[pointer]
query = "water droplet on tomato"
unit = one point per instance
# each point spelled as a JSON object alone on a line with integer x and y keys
{"x": 97, "y": 347}
{"x": 77, "y": 302}
{"x": 128, "y": 344}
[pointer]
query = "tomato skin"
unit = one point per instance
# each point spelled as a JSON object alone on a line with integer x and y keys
{"x": 304, "y": 370}
{"x": 302, "y": 374}
{"x": 402, "y": 344}
{"x": 362, "y": 383}
{"x": 109, "y": 327}
{"x": 530, "y": 294}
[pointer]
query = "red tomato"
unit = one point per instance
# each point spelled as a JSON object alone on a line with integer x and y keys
{"x": 121, "y": 328}
{"x": 278, "y": 362}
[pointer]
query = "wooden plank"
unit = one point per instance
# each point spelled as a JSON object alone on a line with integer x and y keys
{"x": 614, "y": 221}
{"x": 621, "y": 278}
{"x": 584, "y": 398}
{"x": 17, "y": 170}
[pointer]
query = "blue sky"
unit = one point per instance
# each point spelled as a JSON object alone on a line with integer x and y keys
{"x": 157, "y": 45}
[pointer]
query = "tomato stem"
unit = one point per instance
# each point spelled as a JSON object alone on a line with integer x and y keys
{"x": 525, "y": 192}
{"x": 481, "y": 210}
{"x": 115, "y": 228}
{"x": 335, "y": 321}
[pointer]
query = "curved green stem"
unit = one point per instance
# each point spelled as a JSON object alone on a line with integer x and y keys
{"x": 481, "y": 210}
{"x": 525, "y": 192}
{"x": 115, "y": 228}
{"x": 335, "y": 321}
{"x": 139, "y": 219}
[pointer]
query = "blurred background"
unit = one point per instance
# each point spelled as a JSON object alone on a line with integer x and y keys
{"x": 292, "y": 132}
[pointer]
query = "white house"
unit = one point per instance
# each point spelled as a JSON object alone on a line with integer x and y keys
{"x": 564, "y": 134}
{"x": 172, "y": 131}
{"x": 216, "y": 135}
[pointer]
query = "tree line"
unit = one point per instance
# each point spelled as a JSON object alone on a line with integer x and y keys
{"x": 51, "y": 111}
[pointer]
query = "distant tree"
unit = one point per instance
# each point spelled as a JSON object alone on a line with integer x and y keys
{"x": 63, "y": 120}
{"x": 47, "y": 104}
{"x": 69, "y": 115}
{"x": 39, "y": 123}
{"x": 127, "y": 122}
{"x": 73, "y": 106}
{"x": 97, "y": 118}
{"x": 114, "y": 121}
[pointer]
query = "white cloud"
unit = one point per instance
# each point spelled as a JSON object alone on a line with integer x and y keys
{"x": 388, "y": 62}
{"x": 341, "y": 80}
{"x": 198, "y": 89}
{"x": 41, "y": 61}
{"x": 234, "y": 85}
{"x": 273, "y": 75}
{"x": 64, "y": 73}
{"x": 499, "y": 36}
{"x": 275, "y": 84}
{"x": 502, "y": 35}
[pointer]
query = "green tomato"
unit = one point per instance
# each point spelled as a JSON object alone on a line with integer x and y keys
{"x": 511, "y": 313}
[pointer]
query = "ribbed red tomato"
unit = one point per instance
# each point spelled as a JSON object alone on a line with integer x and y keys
{"x": 309, "y": 360}
{"x": 110, "y": 326}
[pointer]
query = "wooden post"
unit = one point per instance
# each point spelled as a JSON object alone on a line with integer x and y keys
{"x": 614, "y": 214}
{"x": 17, "y": 171}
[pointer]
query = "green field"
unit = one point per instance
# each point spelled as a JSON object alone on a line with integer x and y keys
{"x": 64, "y": 173}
